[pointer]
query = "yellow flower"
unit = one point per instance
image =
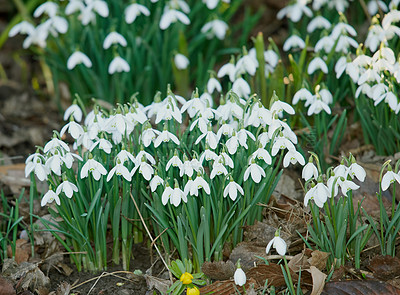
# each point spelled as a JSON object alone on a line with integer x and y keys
{"x": 193, "y": 291}
{"x": 186, "y": 278}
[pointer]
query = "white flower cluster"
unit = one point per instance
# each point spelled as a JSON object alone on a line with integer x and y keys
{"x": 86, "y": 11}
{"x": 340, "y": 177}
{"x": 220, "y": 135}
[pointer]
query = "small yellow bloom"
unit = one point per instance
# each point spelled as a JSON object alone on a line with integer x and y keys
{"x": 186, "y": 278}
{"x": 193, "y": 291}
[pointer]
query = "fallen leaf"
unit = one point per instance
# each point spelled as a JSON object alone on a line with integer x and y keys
{"x": 385, "y": 267}
{"x": 218, "y": 270}
{"x": 227, "y": 287}
{"x": 6, "y": 288}
{"x": 247, "y": 252}
{"x": 318, "y": 279}
{"x": 319, "y": 259}
{"x": 358, "y": 287}
{"x": 63, "y": 289}
{"x": 156, "y": 283}
{"x": 22, "y": 251}
{"x": 299, "y": 261}
{"x": 271, "y": 272}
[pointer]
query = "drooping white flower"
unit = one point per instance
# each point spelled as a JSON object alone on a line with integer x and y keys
{"x": 239, "y": 276}
{"x": 255, "y": 171}
{"x": 217, "y": 28}
{"x": 241, "y": 88}
{"x": 133, "y": 10}
{"x": 114, "y": 38}
{"x": 67, "y": 187}
{"x": 232, "y": 189}
{"x": 168, "y": 112}
{"x": 293, "y": 156}
{"x": 49, "y": 197}
{"x": 199, "y": 183}
{"x": 166, "y": 136}
{"x": 49, "y": 8}
{"x": 211, "y": 138}
{"x": 174, "y": 161}
{"x": 23, "y": 27}
{"x": 309, "y": 170}
{"x": 155, "y": 182}
{"x": 278, "y": 243}
{"x": 144, "y": 168}
{"x": 218, "y": 168}
{"x": 54, "y": 144}
{"x": 389, "y": 178}
{"x": 317, "y": 64}
{"x": 228, "y": 69}
{"x": 75, "y": 111}
{"x": 120, "y": 170}
{"x": 281, "y": 143}
{"x": 181, "y": 61}
{"x": 293, "y": 41}
{"x": 208, "y": 155}
{"x": 118, "y": 64}
{"x": 73, "y": 128}
{"x": 77, "y": 58}
{"x": 262, "y": 154}
{"x": 94, "y": 167}
{"x": 36, "y": 163}
{"x": 347, "y": 185}
{"x": 171, "y": 16}
{"x": 213, "y": 84}
{"x": 102, "y": 144}
{"x": 295, "y": 11}
{"x": 319, "y": 193}
{"x": 355, "y": 170}
{"x": 318, "y": 22}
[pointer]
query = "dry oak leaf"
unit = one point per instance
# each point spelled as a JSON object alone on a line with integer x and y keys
{"x": 356, "y": 287}
{"x": 227, "y": 287}
{"x": 318, "y": 279}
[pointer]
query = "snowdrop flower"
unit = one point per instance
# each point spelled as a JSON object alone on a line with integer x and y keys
{"x": 54, "y": 144}
{"x": 211, "y": 138}
{"x": 181, "y": 61}
{"x": 174, "y": 161}
{"x": 54, "y": 163}
{"x": 317, "y": 64}
{"x": 49, "y": 8}
{"x": 23, "y": 27}
{"x": 142, "y": 153}
{"x": 211, "y": 4}
{"x": 281, "y": 143}
{"x": 149, "y": 135}
{"x": 114, "y": 38}
{"x": 293, "y": 156}
{"x": 232, "y": 189}
{"x": 201, "y": 122}
{"x": 355, "y": 170}
{"x": 293, "y": 41}
{"x": 77, "y": 58}
{"x": 302, "y": 94}
{"x": 247, "y": 64}
{"x": 319, "y": 193}
{"x": 73, "y": 128}
{"x": 175, "y": 196}
{"x": 232, "y": 143}
{"x": 227, "y": 160}
{"x": 218, "y": 168}
{"x": 389, "y": 178}
{"x": 36, "y": 164}
{"x": 239, "y": 276}
{"x": 278, "y": 243}
{"x": 120, "y": 170}
{"x": 169, "y": 111}
{"x": 93, "y": 167}
{"x": 256, "y": 172}
{"x": 207, "y": 155}
{"x": 134, "y": 10}
{"x": 261, "y": 154}
{"x": 144, "y": 168}
{"x": 38, "y": 36}
{"x": 171, "y": 16}
{"x": 242, "y": 135}
{"x": 229, "y": 70}
{"x": 199, "y": 183}
{"x": 295, "y": 11}
{"x": 186, "y": 168}
{"x": 318, "y": 22}
{"x": 193, "y": 106}
{"x": 118, "y": 64}
{"x": 49, "y": 197}
{"x": 213, "y": 84}
{"x": 325, "y": 43}
{"x": 103, "y": 144}
{"x": 217, "y": 28}
{"x": 190, "y": 188}
{"x": 309, "y": 170}
{"x": 166, "y": 136}
{"x": 241, "y": 88}
{"x": 374, "y": 6}
{"x": 67, "y": 187}
{"x": 342, "y": 29}
{"x": 124, "y": 156}
{"x": 279, "y": 106}
{"x": 75, "y": 111}
{"x": 155, "y": 182}
{"x": 87, "y": 14}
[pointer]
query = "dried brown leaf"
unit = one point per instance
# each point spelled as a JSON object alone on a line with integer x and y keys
{"x": 358, "y": 287}
{"x": 226, "y": 287}
{"x": 299, "y": 261}
{"x": 385, "y": 267}
{"x": 22, "y": 251}
{"x": 6, "y": 287}
{"x": 218, "y": 270}
{"x": 157, "y": 283}
{"x": 271, "y": 272}
{"x": 319, "y": 259}
{"x": 318, "y": 279}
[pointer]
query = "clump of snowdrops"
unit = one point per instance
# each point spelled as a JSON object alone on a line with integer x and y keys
{"x": 110, "y": 49}
{"x": 196, "y": 173}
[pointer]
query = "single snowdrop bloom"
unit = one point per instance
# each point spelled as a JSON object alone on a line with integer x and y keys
{"x": 355, "y": 170}
{"x": 201, "y": 122}
{"x": 87, "y": 14}
{"x": 102, "y": 144}
{"x": 261, "y": 154}
{"x": 142, "y": 153}
{"x": 54, "y": 163}
{"x": 49, "y": 8}
{"x": 181, "y": 61}
{"x": 155, "y": 182}
{"x": 256, "y": 172}
{"x": 318, "y": 22}
{"x": 57, "y": 25}
{"x": 50, "y": 197}
{"x": 77, "y": 58}
{"x": 199, "y": 183}
{"x": 217, "y": 28}
{"x": 218, "y": 168}
{"x": 171, "y": 16}
{"x": 23, "y": 27}
{"x": 375, "y": 6}
{"x": 73, "y": 128}
{"x": 257, "y": 115}
{"x": 36, "y": 163}
{"x": 211, "y": 4}
{"x": 149, "y": 135}
{"x": 68, "y": 159}
{"x": 317, "y": 106}
{"x": 211, "y": 138}
{"x": 190, "y": 188}
{"x": 293, "y": 156}
{"x": 232, "y": 143}
{"x": 317, "y": 64}
{"x": 75, "y": 111}
{"x": 186, "y": 168}
{"x": 347, "y": 185}
{"x": 67, "y": 187}
{"x": 54, "y": 144}
{"x": 278, "y": 243}
{"x": 166, "y": 136}
{"x": 118, "y": 64}
{"x": 241, "y": 88}
{"x": 124, "y": 156}
{"x": 319, "y": 194}
{"x": 213, "y": 84}
{"x": 344, "y": 44}
{"x": 133, "y": 10}
{"x": 247, "y": 64}
{"x": 242, "y": 135}
{"x": 144, "y": 168}
{"x": 232, "y": 189}
{"x": 208, "y": 155}
{"x": 239, "y": 276}
{"x": 94, "y": 167}
{"x": 302, "y": 94}
{"x": 295, "y": 11}
{"x": 342, "y": 29}
{"x": 229, "y": 70}
{"x": 177, "y": 195}
{"x": 389, "y": 178}
{"x": 114, "y": 38}
{"x": 194, "y": 105}
{"x": 74, "y": 6}
{"x": 271, "y": 58}
{"x": 167, "y": 194}
{"x": 326, "y": 43}
{"x": 292, "y": 42}
{"x": 309, "y": 170}
{"x": 279, "y": 106}
{"x": 169, "y": 111}
{"x": 227, "y": 160}
{"x": 120, "y": 170}
{"x": 38, "y": 36}
{"x": 281, "y": 143}
{"x": 174, "y": 161}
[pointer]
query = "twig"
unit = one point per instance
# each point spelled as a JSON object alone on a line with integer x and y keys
{"x": 273, "y": 257}
{"x": 365, "y": 9}
{"x": 151, "y": 238}
{"x": 104, "y": 274}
